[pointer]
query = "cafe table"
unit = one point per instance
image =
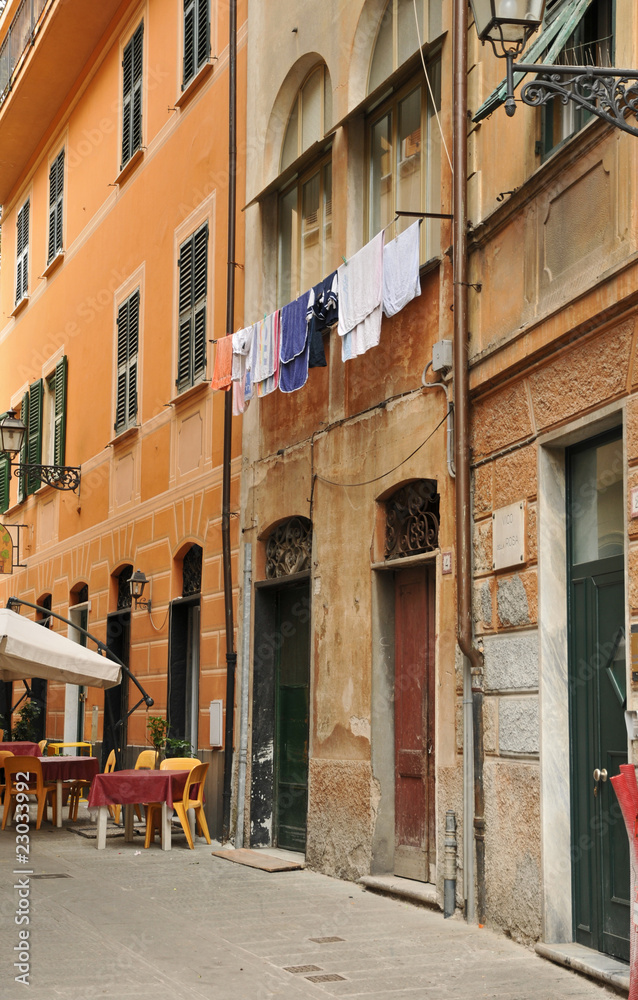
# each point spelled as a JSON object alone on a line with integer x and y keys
{"x": 22, "y": 749}
{"x": 133, "y": 787}
{"x": 60, "y": 769}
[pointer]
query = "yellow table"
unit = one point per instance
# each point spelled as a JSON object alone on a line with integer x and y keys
{"x": 53, "y": 749}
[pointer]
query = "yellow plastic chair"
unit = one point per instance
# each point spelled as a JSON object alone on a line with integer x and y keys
{"x": 109, "y": 767}
{"x": 42, "y": 744}
{"x": 41, "y": 790}
{"x": 179, "y": 764}
{"x": 3, "y": 754}
{"x": 170, "y": 764}
{"x": 196, "y": 777}
{"x": 146, "y": 761}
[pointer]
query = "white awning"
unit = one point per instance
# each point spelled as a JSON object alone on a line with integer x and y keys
{"x": 28, "y": 650}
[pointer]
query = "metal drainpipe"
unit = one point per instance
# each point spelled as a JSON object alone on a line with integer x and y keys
{"x": 243, "y": 715}
{"x": 462, "y": 442}
{"x": 231, "y": 655}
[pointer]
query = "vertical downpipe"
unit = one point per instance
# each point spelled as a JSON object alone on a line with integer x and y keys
{"x": 243, "y": 716}
{"x": 462, "y": 447}
{"x": 231, "y": 655}
{"x": 449, "y": 883}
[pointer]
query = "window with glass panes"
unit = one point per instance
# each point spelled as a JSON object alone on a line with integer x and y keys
{"x": 305, "y": 205}
{"x": 590, "y": 44}
{"x": 404, "y": 156}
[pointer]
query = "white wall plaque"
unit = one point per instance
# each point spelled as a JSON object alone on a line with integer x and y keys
{"x": 508, "y": 536}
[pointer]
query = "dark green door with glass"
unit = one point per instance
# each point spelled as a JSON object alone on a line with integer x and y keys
{"x": 597, "y": 690}
{"x": 292, "y": 675}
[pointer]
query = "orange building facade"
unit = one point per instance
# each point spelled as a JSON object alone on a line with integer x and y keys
{"x": 113, "y": 185}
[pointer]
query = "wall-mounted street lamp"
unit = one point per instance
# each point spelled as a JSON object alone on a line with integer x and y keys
{"x": 60, "y": 477}
{"x": 136, "y": 584}
{"x": 603, "y": 91}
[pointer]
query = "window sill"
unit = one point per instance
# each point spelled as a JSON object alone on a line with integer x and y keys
{"x": 194, "y": 85}
{"x": 187, "y": 394}
{"x": 129, "y": 166}
{"x": 54, "y": 265}
{"x": 19, "y": 306}
{"x": 125, "y": 435}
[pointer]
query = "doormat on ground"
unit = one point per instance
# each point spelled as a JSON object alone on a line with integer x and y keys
{"x": 257, "y": 859}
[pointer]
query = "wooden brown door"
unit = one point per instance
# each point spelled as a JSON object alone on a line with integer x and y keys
{"x": 414, "y": 849}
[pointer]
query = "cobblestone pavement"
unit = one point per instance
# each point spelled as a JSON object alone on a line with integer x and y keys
{"x": 183, "y": 925}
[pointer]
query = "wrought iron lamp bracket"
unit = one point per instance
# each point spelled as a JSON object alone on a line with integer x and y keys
{"x": 60, "y": 477}
{"x": 606, "y": 92}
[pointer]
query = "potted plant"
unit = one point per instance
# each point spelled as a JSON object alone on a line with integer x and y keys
{"x": 157, "y": 729}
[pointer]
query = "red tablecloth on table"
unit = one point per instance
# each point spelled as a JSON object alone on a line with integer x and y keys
{"x": 69, "y": 768}
{"x": 130, "y": 787}
{"x": 23, "y": 749}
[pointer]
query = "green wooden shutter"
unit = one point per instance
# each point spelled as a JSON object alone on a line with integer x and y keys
{"x": 193, "y": 287}
{"x": 199, "y": 296}
{"x": 122, "y": 358}
{"x": 127, "y": 350}
{"x": 132, "y": 96}
{"x": 5, "y": 481}
{"x": 24, "y": 417}
{"x": 136, "y": 116}
{"x": 34, "y": 434}
{"x": 56, "y": 192}
{"x": 203, "y": 33}
{"x": 189, "y": 41}
{"x": 185, "y": 263}
{"x": 22, "y": 261}
{"x": 59, "y": 437}
{"x": 53, "y": 197}
{"x": 127, "y": 101}
{"x": 133, "y": 346}
{"x": 59, "y": 202}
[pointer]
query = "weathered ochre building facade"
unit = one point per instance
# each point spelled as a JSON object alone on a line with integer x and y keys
{"x": 332, "y": 458}
{"x": 552, "y": 342}
{"x": 112, "y": 124}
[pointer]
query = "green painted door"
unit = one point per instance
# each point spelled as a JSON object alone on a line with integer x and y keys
{"x": 597, "y": 688}
{"x": 292, "y": 673}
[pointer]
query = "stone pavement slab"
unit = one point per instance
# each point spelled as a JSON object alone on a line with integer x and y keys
{"x": 184, "y": 925}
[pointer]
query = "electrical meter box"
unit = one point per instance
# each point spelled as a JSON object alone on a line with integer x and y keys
{"x": 442, "y": 355}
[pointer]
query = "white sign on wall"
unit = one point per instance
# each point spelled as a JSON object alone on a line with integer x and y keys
{"x": 508, "y": 536}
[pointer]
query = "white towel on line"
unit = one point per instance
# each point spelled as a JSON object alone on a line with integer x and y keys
{"x": 401, "y": 281}
{"x": 361, "y": 299}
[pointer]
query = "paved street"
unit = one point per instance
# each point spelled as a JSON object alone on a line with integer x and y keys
{"x": 185, "y": 925}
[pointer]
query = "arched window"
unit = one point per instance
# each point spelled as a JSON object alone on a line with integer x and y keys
{"x": 124, "y": 598}
{"x": 310, "y": 117}
{"x": 404, "y": 143}
{"x": 192, "y": 571}
{"x": 305, "y": 205}
{"x": 288, "y": 549}
{"x": 412, "y": 520}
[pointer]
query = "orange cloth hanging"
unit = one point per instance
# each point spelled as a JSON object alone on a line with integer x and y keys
{"x": 223, "y": 363}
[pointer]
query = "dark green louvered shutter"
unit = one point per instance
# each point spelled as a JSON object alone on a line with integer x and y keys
{"x": 22, "y": 256}
{"x": 185, "y": 264}
{"x": 196, "y": 37}
{"x": 128, "y": 324}
{"x": 59, "y": 435}
{"x": 34, "y": 434}
{"x": 193, "y": 283}
{"x": 132, "y": 96}
{"x": 24, "y": 417}
{"x": 56, "y": 190}
{"x": 5, "y": 481}
{"x": 199, "y": 297}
